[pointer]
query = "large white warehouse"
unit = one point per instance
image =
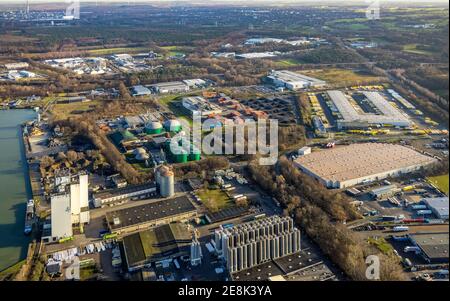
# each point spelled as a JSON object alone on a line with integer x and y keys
{"x": 347, "y": 166}
{"x": 293, "y": 81}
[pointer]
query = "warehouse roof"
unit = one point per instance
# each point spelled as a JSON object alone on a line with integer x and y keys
{"x": 148, "y": 212}
{"x": 155, "y": 243}
{"x": 290, "y": 77}
{"x": 105, "y": 194}
{"x": 433, "y": 245}
{"x": 388, "y": 114}
{"x": 360, "y": 160}
{"x": 439, "y": 205}
{"x": 176, "y": 84}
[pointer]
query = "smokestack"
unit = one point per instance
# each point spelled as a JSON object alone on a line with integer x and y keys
{"x": 28, "y": 7}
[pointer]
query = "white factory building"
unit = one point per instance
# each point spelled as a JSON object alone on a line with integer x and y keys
{"x": 197, "y": 105}
{"x": 250, "y": 244}
{"x": 350, "y": 117}
{"x": 70, "y": 207}
{"x": 293, "y": 81}
{"x": 61, "y": 223}
{"x": 171, "y": 87}
{"x": 346, "y": 166}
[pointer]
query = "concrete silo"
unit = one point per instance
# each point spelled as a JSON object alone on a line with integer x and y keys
{"x": 166, "y": 181}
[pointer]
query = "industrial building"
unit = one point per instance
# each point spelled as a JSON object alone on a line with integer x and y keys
{"x": 439, "y": 206}
{"x": 433, "y": 246}
{"x": 165, "y": 179}
{"x": 140, "y": 91}
{"x": 354, "y": 164}
{"x": 160, "y": 243}
{"x": 293, "y": 81}
{"x": 170, "y": 87}
{"x": 70, "y": 206}
{"x": 256, "y": 55}
{"x": 197, "y": 105}
{"x": 250, "y": 244}
{"x": 150, "y": 215}
{"x": 401, "y": 100}
{"x": 121, "y": 195}
{"x": 16, "y": 66}
{"x": 382, "y": 112}
{"x": 61, "y": 218}
{"x": 195, "y": 83}
{"x": 384, "y": 191}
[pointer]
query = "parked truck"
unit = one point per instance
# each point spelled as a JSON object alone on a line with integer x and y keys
{"x": 400, "y": 229}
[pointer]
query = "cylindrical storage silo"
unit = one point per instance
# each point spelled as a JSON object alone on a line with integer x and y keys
{"x": 166, "y": 182}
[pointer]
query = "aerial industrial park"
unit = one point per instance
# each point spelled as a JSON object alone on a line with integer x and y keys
{"x": 118, "y": 182}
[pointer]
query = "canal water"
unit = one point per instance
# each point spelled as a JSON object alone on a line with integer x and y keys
{"x": 14, "y": 187}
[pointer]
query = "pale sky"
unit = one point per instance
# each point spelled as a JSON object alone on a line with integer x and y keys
{"x": 225, "y": 1}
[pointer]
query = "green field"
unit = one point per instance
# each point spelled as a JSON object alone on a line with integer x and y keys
{"x": 119, "y": 50}
{"x": 412, "y": 48}
{"x": 441, "y": 182}
{"x": 342, "y": 76}
{"x": 214, "y": 199}
{"x": 288, "y": 63}
{"x": 65, "y": 110}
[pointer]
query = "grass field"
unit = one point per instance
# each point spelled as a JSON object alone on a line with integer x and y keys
{"x": 107, "y": 51}
{"x": 214, "y": 200}
{"x": 441, "y": 182}
{"x": 342, "y": 76}
{"x": 66, "y": 110}
{"x": 172, "y": 51}
{"x": 412, "y": 48}
{"x": 288, "y": 63}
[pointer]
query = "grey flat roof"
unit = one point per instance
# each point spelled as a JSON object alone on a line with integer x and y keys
{"x": 389, "y": 114}
{"x": 149, "y": 212}
{"x": 292, "y": 77}
{"x": 170, "y": 84}
{"x": 433, "y": 245}
{"x": 440, "y": 205}
{"x": 105, "y": 194}
{"x": 280, "y": 266}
